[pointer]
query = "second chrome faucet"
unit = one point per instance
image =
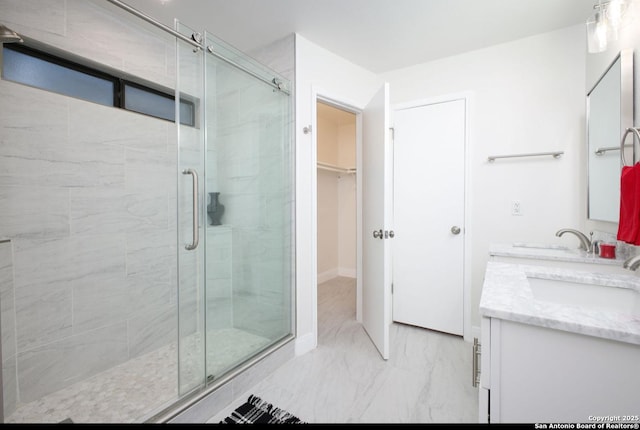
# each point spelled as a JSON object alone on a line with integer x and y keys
{"x": 632, "y": 263}
{"x": 585, "y": 242}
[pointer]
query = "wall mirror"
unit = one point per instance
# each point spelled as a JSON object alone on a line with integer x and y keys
{"x": 609, "y": 113}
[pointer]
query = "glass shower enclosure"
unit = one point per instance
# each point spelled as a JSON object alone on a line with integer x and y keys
{"x": 144, "y": 260}
{"x": 235, "y": 211}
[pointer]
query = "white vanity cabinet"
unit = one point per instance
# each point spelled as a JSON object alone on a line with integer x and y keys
{"x": 534, "y": 374}
{"x": 547, "y": 360}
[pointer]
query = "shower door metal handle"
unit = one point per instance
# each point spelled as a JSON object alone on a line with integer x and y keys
{"x": 194, "y": 176}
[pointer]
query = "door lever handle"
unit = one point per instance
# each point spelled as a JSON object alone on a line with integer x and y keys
{"x": 194, "y": 178}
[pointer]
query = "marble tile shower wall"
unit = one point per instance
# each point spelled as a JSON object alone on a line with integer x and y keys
{"x": 7, "y": 313}
{"x": 88, "y": 202}
{"x": 256, "y": 191}
{"x": 279, "y": 56}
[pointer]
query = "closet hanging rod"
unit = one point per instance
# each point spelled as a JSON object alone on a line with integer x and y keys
{"x": 555, "y": 154}
{"x": 332, "y": 168}
{"x": 601, "y": 151}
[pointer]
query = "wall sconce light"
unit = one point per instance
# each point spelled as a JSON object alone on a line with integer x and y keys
{"x": 603, "y": 25}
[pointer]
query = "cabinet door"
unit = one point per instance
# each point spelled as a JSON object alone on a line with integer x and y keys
{"x": 483, "y": 406}
{"x": 548, "y": 375}
{"x": 485, "y": 357}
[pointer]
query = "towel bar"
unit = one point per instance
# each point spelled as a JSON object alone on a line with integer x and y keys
{"x": 555, "y": 154}
{"x": 601, "y": 151}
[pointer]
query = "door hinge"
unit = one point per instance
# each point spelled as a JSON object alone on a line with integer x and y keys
{"x": 392, "y": 288}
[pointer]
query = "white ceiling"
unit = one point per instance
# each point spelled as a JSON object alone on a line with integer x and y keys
{"x": 379, "y": 35}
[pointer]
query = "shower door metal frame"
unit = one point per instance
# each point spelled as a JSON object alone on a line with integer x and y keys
{"x": 275, "y": 82}
{"x": 1, "y": 357}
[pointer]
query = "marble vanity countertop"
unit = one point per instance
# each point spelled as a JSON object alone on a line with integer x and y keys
{"x": 507, "y": 295}
{"x": 550, "y": 252}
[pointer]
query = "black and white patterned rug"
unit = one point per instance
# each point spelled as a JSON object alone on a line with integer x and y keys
{"x": 257, "y": 411}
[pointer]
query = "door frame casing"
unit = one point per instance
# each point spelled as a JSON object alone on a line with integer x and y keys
{"x": 320, "y": 95}
{"x": 467, "y": 96}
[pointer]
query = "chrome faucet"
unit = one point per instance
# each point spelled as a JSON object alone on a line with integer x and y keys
{"x": 585, "y": 243}
{"x": 632, "y": 263}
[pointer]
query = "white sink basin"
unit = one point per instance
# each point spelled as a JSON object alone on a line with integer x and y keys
{"x": 552, "y": 255}
{"x": 552, "y": 251}
{"x": 587, "y": 295}
{"x": 539, "y": 246}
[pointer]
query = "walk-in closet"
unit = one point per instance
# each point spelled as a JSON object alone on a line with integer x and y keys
{"x": 336, "y": 141}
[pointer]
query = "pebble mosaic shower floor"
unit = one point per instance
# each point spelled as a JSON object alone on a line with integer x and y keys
{"x": 132, "y": 391}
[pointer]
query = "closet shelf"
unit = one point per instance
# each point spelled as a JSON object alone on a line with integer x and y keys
{"x": 332, "y": 168}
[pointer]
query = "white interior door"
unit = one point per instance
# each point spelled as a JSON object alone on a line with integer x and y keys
{"x": 428, "y": 248}
{"x": 376, "y": 215}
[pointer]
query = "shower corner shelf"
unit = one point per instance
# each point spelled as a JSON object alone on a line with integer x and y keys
{"x": 334, "y": 168}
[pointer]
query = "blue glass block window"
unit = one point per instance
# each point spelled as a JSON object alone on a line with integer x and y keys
{"x": 149, "y": 103}
{"x": 40, "y": 73}
{"x": 41, "y": 70}
{"x": 155, "y": 103}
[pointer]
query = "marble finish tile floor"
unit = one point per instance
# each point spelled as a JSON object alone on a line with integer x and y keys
{"x": 344, "y": 380}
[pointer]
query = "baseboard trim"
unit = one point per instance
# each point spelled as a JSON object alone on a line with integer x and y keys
{"x": 333, "y": 273}
{"x": 347, "y": 273}
{"x": 305, "y": 344}
{"x": 327, "y": 275}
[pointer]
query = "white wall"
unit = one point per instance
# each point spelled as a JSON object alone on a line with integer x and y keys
{"x": 328, "y": 239}
{"x": 328, "y": 151}
{"x": 347, "y": 225}
{"x": 328, "y": 143}
{"x": 527, "y": 96}
{"x": 336, "y": 144}
{"x": 347, "y": 145}
{"x": 320, "y": 70}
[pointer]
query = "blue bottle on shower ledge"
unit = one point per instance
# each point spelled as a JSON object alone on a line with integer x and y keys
{"x": 215, "y": 209}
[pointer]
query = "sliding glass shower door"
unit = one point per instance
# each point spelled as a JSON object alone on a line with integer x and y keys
{"x": 248, "y": 225}
{"x": 116, "y": 243}
{"x": 235, "y": 172}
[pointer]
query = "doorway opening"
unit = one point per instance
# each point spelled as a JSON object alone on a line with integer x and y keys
{"x": 337, "y": 225}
